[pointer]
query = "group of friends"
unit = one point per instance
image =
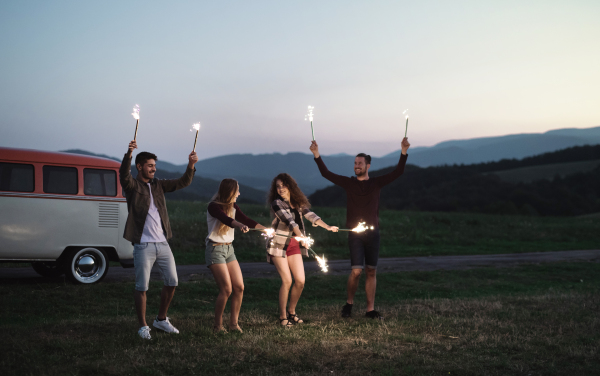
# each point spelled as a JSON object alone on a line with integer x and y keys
{"x": 148, "y": 229}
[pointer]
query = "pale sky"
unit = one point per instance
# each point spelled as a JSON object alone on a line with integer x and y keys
{"x": 71, "y": 72}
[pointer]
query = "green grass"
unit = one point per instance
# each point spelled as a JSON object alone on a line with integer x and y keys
{"x": 528, "y": 320}
{"x": 546, "y": 172}
{"x": 402, "y": 233}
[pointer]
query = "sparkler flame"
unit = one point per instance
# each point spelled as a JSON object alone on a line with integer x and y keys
{"x": 136, "y": 112}
{"x": 309, "y": 115}
{"x": 268, "y": 233}
{"x": 322, "y": 263}
{"x": 195, "y": 127}
{"x": 308, "y": 241}
{"x": 361, "y": 227}
{"x": 405, "y": 113}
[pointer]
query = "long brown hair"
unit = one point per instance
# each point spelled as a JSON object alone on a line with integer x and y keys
{"x": 225, "y": 197}
{"x": 297, "y": 198}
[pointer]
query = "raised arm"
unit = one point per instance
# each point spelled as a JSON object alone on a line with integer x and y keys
{"x": 334, "y": 178}
{"x": 170, "y": 185}
{"x": 399, "y": 170}
{"x": 125, "y": 170}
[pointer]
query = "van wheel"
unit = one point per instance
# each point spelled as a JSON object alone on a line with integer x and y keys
{"x": 87, "y": 265}
{"x": 48, "y": 269}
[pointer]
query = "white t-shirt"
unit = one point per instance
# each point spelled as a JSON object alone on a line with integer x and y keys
{"x": 153, "y": 230}
{"x": 213, "y": 228}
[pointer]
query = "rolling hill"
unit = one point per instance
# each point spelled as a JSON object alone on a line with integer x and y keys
{"x": 257, "y": 171}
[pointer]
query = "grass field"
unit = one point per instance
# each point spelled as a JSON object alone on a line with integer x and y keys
{"x": 530, "y": 320}
{"x": 547, "y": 172}
{"x": 402, "y": 233}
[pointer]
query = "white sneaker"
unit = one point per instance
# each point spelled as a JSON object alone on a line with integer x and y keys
{"x": 144, "y": 332}
{"x": 165, "y": 325}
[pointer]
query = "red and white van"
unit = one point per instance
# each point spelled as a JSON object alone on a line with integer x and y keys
{"x": 64, "y": 213}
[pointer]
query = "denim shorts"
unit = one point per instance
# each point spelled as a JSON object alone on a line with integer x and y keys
{"x": 364, "y": 249}
{"x": 144, "y": 257}
{"x": 219, "y": 254}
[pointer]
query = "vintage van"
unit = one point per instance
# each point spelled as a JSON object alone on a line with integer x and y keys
{"x": 64, "y": 213}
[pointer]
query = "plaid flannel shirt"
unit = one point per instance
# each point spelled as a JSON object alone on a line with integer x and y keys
{"x": 283, "y": 223}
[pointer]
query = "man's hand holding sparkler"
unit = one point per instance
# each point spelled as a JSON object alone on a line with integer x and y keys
{"x": 405, "y": 145}
{"x": 193, "y": 158}
{"x": 314, "y": 147}
{"x": 132, "y": 145}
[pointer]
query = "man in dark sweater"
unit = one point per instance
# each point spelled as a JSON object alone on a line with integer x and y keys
{"x": 362, "y": 205}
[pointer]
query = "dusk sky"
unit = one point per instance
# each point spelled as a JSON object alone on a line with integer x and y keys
{"x": 71, "y": 72}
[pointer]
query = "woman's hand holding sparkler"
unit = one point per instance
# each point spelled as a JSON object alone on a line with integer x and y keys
{"x": 132, "y": 145}
{"x": 241, "y": 226}
{"x": 333, "y": 228}
{"x": 314, "y": 148}
{"x": 405, "y": 145}
{"x": 193, "y": 158}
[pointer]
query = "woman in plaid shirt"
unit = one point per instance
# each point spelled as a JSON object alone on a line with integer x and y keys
{"x": 288, "y": 205}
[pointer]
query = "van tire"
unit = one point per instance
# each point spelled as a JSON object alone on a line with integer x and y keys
{"x": 86, "y": 265}
{"x": 50, "y": 269}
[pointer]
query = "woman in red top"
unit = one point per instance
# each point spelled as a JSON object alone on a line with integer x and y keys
{"x": 288, "y": 206}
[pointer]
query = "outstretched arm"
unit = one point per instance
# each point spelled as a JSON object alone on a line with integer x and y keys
{"x": 170, "y": 185}
{"x": 125, "y": 170}
{"x": 399, "y": 170}
{"x": 334, "y": 178}
{"x": 215, "y": 211}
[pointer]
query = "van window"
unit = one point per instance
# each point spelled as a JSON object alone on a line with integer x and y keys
{"x": 60, "y": 180}
{"x": 16, "y": 177}
{"x": 99, "y": 182}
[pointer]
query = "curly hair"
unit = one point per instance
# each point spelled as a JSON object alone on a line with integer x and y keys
{"x": 225, "y": 197}
{"x": 297, "y": 198}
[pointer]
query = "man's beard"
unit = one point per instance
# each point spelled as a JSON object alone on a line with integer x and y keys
{"x": 360, "y": 174}
{"x": 147, "y": 175}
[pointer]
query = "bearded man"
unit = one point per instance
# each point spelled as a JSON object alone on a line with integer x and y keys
{"x": 362, "y": 205}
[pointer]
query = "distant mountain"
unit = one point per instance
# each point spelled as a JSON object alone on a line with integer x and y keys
{"x": 488, "y": 149}
{"x": 201, "y": 189}
{"x": 257, "y": 171}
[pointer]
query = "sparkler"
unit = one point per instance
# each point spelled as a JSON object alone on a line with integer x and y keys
{"x": 360, "y": 228}
{"x": 308, "y": 241}
{"x": 309, "y": 116}
{"x": 406, "y": 114}
{"x": 197, "y": 128}
{"x": 136, "y": 116}
{"x": 322, "y": 261}
{"x": 268, "y": 232}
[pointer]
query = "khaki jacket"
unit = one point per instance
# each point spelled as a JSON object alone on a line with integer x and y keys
{"x": 138, "y": 199}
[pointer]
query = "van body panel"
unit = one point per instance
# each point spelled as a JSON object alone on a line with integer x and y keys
{"x": 40, "y": 226}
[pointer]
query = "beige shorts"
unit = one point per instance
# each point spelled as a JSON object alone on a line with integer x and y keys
{"x": 219, "y": 254}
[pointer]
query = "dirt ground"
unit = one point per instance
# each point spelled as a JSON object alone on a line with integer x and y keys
{"x": 336, "y": 267}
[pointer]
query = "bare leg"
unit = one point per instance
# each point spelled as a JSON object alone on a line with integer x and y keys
{"x": 297, "y": 268}
{"x": 166, "y": 295}
{"x": 281, "y": 263}
{"x": 221, "y": 275}
{"x": 352, "y": 285}
{"x": 237, "y": 284}
{"x": 370, "y": 285}
{"x": 140, "y": 306}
